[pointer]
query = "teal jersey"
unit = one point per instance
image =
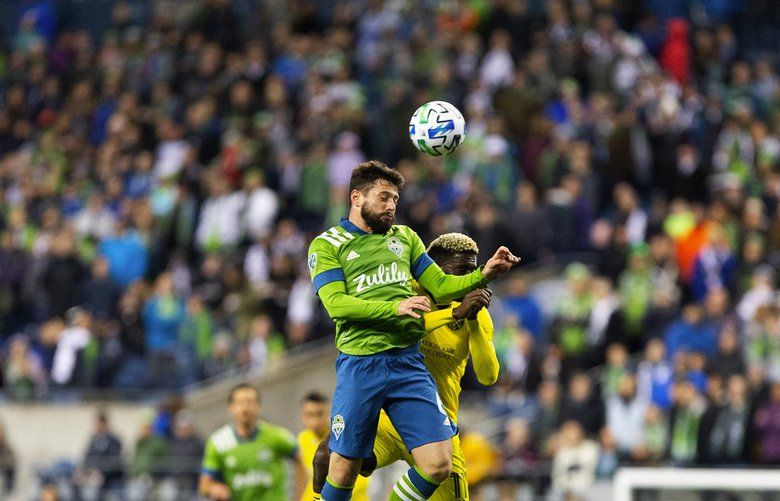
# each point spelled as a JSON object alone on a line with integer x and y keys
{"x": 374, "y": 273}
{"x": 252, "y": 468}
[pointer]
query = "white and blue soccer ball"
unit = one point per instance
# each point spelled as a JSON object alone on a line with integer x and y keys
{"x": 437, "y": 128}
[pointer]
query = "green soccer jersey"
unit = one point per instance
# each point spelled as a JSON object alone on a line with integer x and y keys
{"x": 252, "y": 468}
{"x": 362, "y": 277}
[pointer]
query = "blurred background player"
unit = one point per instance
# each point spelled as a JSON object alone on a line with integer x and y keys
{"x": 245, "y": 460}
{"x": 362, "y": 271}
{"x": 315, "y": 420}
{"x": 446, "y": 349}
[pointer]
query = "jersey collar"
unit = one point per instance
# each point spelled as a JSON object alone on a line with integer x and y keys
{"x": 351, "y": 227}
{"x": 250, "y": 438}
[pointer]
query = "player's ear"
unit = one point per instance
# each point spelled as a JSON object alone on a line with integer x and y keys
{"x": 356, "y": 198}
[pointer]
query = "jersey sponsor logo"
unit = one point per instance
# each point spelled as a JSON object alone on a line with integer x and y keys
{"x": 352, "y": 255}
{"x": 456, "y": 325}
{"x": 338, "y": 425}
{"x": 252, "y": 478}
{"x": 336, "y": 236}
{"x": 395, "y": 245}
{"x": 313, "y": 261}
{"x": 382, "y": 276}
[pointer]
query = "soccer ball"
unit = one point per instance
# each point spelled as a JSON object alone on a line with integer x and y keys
{"x": 437, "y": 128}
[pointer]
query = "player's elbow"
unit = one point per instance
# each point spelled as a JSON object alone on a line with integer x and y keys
{"x": 488, "y": 377}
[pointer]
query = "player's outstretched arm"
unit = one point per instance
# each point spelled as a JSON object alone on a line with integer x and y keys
{"x": 483, "y": 353}
{"x": 498, "y": 265}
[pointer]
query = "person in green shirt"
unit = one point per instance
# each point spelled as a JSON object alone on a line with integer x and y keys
{"x": 245, "y": 460}
{"x": 362, "y": 270}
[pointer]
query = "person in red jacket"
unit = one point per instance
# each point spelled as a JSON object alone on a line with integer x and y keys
{"x": 675, "y": 56}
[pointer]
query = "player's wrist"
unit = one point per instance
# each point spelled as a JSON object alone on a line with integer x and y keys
{"x": 484, "y": 274}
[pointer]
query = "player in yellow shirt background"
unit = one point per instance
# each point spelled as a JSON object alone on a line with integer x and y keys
{"x": 455, "y": 333}
{"x": 315, "y": 417}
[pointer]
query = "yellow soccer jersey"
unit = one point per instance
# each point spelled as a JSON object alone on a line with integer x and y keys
{"x": 446, "y": 351}
{"x": 307, "y": 444}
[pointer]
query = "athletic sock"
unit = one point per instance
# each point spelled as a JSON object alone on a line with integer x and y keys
{"x": 333, "y": 492}
{"x": 414, "y": 486}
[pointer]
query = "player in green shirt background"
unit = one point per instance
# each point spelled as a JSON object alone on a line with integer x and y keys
{"x": 362, "y": 270}
{"x": 245, "y": 460}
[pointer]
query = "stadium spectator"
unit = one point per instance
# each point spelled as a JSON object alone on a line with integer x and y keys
{"x": 23, "y": 373}
{"x": 163, "y": 315}
{"x": 524, "y": 307}
{"x": 147, "y": 464}
{"x": 685, "y": 428}
{"x": 625, "y": 415}
{"x": 582, "y": 405}
{"x": 729, "y": 360}
{"x": 655, "y": 435}
{"x": 103, "y": 469}
{"x": 68, "y": 365}
{"x": 766, "y": 424}
{"x": 726, "y": 426}
{"x": 62, "y": 271}
{"x": 183, "y": 454}
{"x": 574, "y": 462}
{"x": 613, "y": 371}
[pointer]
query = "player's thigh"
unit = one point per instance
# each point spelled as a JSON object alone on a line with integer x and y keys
{"x": 388, "y": 446}
{"x": 455, "y": 488}
{"x": 356, "y": 404}
{"x": 413, "y": 404}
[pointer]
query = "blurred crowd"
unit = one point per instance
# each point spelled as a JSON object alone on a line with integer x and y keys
{"x": 162, "y": 463}
{"x": 159, "y": 183}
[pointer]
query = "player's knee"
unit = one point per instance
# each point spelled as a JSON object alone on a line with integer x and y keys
{"x": 343, "y": 470}
{"x": 438, "y": 468}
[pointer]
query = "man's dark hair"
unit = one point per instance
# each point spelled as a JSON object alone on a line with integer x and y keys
{"x": 316, "y": 397}
{"x": 241, "y": 386}
{"x": 366, "y": 174}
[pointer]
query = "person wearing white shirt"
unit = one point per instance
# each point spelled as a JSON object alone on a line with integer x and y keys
{"x": 262, "y": 206}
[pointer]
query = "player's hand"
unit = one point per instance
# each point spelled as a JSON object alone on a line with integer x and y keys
{"x": 472, "y": 303}
{"x": 408, "y": 306}
{"x": 501, "y": 262}
{"x": 219, "y": 492}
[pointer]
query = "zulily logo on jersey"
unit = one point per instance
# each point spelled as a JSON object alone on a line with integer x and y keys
{"x": 382, "y": 276}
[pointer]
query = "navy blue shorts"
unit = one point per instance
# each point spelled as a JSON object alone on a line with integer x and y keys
{"x": 395, "y": 380}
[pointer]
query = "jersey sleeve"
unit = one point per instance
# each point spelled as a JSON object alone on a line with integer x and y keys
{"x": 212, "y": 461}
{"x": 483, "y": 353}
{"x": 330, "y": 285}
{"x": 324, "y": 266}
{"x": 342, "y": 306}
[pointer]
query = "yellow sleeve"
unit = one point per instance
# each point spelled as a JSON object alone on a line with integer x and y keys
{"x": 483, "y": 353}
{"x": 438, "y": 318}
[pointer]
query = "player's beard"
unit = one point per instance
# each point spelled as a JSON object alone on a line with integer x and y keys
{"x": 379, "y": 222}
